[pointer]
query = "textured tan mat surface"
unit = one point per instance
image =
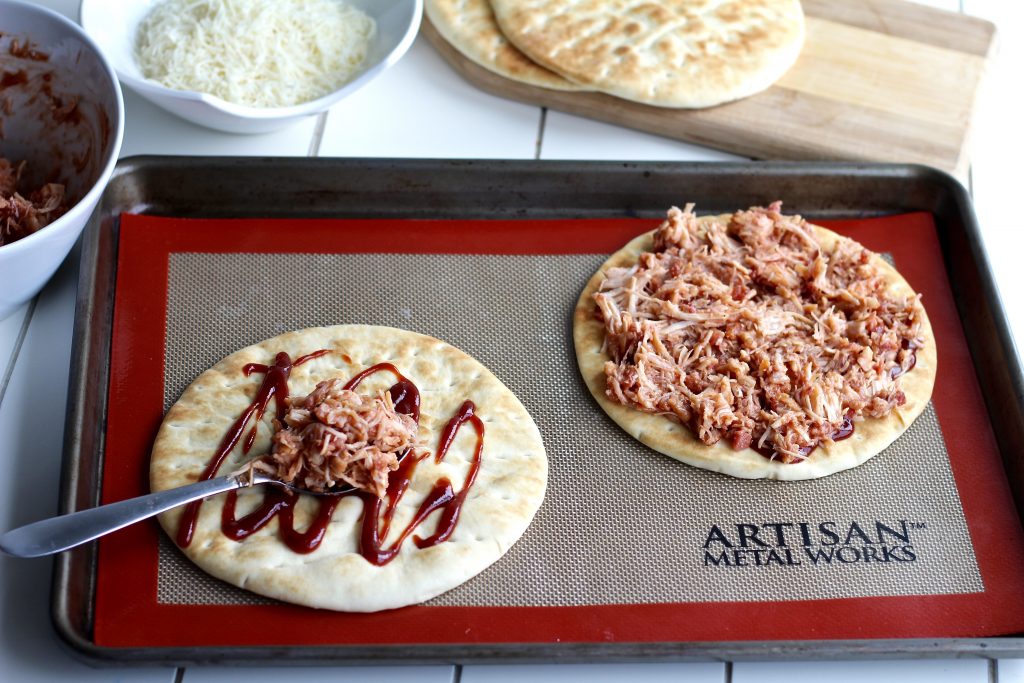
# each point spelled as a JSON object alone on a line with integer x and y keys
{"x": 621, "y": 523}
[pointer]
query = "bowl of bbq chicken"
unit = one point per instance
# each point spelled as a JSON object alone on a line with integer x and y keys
{"x": 61, "y": 125}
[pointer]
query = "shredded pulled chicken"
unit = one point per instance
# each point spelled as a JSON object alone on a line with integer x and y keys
{"x": 21, "y": 216}
{"x": 337, "y": 438}
{"x": 754, "y": 333}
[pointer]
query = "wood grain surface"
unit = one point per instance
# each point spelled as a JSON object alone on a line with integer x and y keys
{"x": 877, "y": 80}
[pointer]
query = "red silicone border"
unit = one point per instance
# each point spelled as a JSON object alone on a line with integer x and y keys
{"x": 127, "y": 612}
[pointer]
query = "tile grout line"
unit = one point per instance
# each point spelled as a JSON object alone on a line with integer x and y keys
{"x": 16, "y": 351}
{"x": 728, "y": 672}
{"x": 993, "y": 671}
{"x": 318, "y": 135}
{"x": 540, "y": 132}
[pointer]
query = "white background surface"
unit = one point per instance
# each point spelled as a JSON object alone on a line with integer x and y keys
{"x": 422, "y": 109}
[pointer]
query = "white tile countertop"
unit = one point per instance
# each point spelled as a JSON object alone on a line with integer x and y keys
{"x": 421, "y": 108}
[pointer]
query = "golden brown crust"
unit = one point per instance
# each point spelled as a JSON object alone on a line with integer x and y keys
{"x": 667, "y": 436}
{"x": 469, "y": 27}
{"x": 675, "y": 53}
{"x": 508, "y": 491}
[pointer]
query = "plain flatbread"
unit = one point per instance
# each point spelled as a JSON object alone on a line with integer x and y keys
{"x": 469, "y": 27}
{"x": 508, "y": 490}
{"x": 671, "y": 53}
{"x": 668, "y": 436}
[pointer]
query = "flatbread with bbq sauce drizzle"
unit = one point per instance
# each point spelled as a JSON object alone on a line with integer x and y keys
{"x": 453, "y": 505}
{"x": 755, "y": 344}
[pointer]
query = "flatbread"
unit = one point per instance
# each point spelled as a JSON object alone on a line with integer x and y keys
{"x": 870, "y": 436}
{"x": 469, "y": 27}
{"x": 508, "y": 490}
{"x": 672, "y": 53}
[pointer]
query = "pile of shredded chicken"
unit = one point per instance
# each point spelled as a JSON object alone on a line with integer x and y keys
{"x": 336, "y": 438}
{"x": 21, "y": 216}
{"x": 754, "y": 333}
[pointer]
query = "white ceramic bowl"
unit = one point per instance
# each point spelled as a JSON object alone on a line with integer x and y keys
{"x": 79, "y": 151}
{"x": 113, "y": 24}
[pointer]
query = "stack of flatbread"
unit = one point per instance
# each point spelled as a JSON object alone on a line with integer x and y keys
{"x": 666, "y": 53}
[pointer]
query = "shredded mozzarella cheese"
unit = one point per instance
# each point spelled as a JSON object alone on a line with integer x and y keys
{"x": 260, "y": 53}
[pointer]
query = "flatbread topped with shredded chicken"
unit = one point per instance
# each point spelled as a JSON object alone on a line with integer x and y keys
{"x": 435, "y": 466}
{"x": 337, "y": 438}
{"x": 757, "y": 345}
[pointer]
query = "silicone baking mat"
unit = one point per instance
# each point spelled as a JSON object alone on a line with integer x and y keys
{"x": 629, "y": 545}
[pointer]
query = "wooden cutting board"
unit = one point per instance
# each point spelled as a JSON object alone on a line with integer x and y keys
{"x": 877, "y": 80}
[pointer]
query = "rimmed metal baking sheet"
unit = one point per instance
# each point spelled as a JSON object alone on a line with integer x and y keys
{"x": 297, "y": 188}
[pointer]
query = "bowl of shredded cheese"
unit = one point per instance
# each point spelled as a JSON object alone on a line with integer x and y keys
{"x": 250, "y": 66}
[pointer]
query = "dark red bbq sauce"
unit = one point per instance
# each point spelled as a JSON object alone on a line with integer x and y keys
{"x": 404, "y": 394}
{"x": 9, "y": 78}
{"x": 845, "y": 430}
{"x": 442, "y": 496}
{"x": 279, "y": 501}
{"x": 450, "y": 515}
{"x": 897, "y": 370}
{"x": 376, "y": 523}
{"x": 274, "y": 386}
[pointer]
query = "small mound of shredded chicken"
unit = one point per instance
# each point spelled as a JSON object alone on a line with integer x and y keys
{"x": 337, "y": 438}
{"x": 21, "y": 216}
{"x": 754, "y": 333}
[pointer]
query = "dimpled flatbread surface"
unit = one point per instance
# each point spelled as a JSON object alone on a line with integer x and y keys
{"x": 469, "y": 26}
{"x": 670, "y": 53}
{"x": 870, "y": 437}
{"x": 508, "y": 490}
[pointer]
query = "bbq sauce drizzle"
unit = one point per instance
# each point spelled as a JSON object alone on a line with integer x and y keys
{"x": 377, "y": 516}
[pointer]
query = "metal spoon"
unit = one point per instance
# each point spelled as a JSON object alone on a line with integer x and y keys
{"x": 61, "y": 533}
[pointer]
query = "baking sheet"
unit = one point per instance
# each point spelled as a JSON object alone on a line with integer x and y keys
{"x": 535, "y": 652}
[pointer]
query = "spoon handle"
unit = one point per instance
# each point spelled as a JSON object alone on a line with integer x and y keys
{"x": 67, "y": 531}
